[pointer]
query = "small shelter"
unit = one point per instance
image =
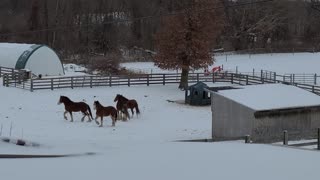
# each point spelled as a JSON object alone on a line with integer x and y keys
{"x": 39, "y": 59}
{"x": 264, "y": 112}
{"x": 197, "y": 95}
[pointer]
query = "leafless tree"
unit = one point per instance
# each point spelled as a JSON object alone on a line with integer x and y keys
{"x": 186, "y": 40}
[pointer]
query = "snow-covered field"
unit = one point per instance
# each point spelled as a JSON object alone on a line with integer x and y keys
{"x": 145, "y": 147}
{"x": 281, "y": 63}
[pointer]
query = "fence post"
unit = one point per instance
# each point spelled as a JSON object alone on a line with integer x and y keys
{"x": 247, "y": 79}
{"x": 247, "y": 139}
{"x": 71, "y": 82}
{"x": 90, "y": 81}
{"x": 8, "y": 80}
{"x": 110, "y": 80}
{"x": 285, "y": 137}
{"x": 315, "y": 79}
{"x": 15, "y": 79}
{"x": 253, "y": 72}
{"x": 31, "y": 85}
{"x": 318, "y": 145}
{"x": 275, "y": 77}
{"x": 20, "y": 77}
{"x": 270, "y": 75}
{"x": 213, "y": 77}
{"x": 261, "y": 75}
{"x": 231, "y": 78}
{"x": 293, "y": 78}
{"x": 128, "y": 81}
{"x": 4, "y": 80}
{"x": 197, "y": 77}
{"x": 164, "y": 79}
{"x": 236, "y": 69}
{"x": 147, "y": 79}
{"x": 51, "y": 83}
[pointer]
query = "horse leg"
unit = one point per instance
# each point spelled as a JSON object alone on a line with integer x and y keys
{"x": 84, "y": 115}
{"x": 95, "y": 119}
{"x": 101, "y": 121}
{"x": 132, "y": 111}
{"x": 127, "y": 114}
{"x": 64, "y": 115}
{"x": 71, "y": 116}
{"x": 89, "y": 118}
{"x": 125, "y": 117}
{"x": 122, "y": 115}
{"x": 113, "y": 121}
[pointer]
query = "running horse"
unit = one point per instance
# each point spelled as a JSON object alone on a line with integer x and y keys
{"x": 71, "y": 106}
{"x": 102, "y": 111}
{"x": 123, "y": 104}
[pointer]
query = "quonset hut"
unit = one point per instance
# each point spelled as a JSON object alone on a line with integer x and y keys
{"x": 39, "y": 59}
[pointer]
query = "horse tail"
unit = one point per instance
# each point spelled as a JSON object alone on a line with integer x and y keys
{"x": 137, "y": 109}
{"x": 90, "y": 111}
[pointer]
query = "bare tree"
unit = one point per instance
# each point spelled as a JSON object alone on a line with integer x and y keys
{"x": 186, "y": 40}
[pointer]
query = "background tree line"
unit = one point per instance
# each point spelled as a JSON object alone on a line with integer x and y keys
{"x": 94, "y": 31}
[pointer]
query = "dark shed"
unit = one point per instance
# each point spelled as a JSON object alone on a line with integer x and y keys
{"x": 197, "y": 96}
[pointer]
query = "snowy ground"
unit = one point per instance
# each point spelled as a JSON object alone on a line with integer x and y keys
{"x": 281, "y": 63}
{"x": 141, "y": 149}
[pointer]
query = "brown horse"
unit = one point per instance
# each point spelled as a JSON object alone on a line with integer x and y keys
{"x": 71, "y": 106}
{"x": 123, "y": 104}
{"x": 105, "y": 111}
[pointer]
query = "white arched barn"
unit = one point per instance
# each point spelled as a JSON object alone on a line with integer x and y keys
{"x": 39, "y": 59}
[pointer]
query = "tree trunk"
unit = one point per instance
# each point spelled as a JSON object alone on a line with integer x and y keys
{"x": 46, "y": 20}
{"x": 184, "y": 79}
{"x": 55, "y": 23}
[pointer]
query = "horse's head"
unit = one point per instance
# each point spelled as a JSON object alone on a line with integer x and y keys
{"x": 60, "y": 100}
{"x": 63, "y": 99}
{"x": 95, "y": 104}
{"x": 116, "y": 98}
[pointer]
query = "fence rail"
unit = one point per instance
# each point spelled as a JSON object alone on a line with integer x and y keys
{"x": 249, "y": 78}
{"x": 142, "y": 79}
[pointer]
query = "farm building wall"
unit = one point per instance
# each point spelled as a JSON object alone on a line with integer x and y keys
{"x": 230, "y": 120}
{"x": 299, "y": 125}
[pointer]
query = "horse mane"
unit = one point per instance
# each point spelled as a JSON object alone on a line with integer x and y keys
{"x": 123, "y": 98}
{"x": 97, "y": 103}
{"x": 67, "y": 99}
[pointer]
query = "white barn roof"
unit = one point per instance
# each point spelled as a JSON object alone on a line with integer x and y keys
{"x": 272, "y": 96}
{"x": 40, "y": 59}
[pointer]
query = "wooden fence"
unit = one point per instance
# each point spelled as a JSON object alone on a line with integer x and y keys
{"x": 97, "y": 81}
{"x": 10, "y": 71}
{"x": 142, "y": 79}
{"x": 260, "y": 77}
